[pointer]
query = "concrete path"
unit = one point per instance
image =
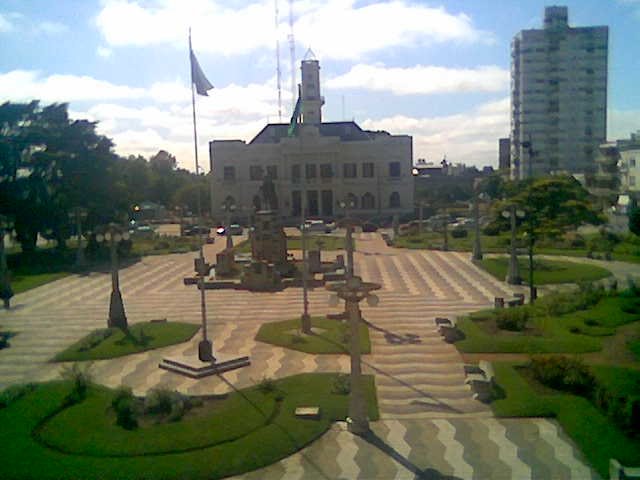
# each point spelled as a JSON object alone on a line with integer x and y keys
{"x": 430, "y": 422}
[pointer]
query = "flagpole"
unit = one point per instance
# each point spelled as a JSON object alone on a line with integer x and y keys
{"x": 205, "y": 348}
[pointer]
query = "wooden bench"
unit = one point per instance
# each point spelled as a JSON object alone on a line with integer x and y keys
{"x": 447, "y": 329}
{"x": 308, "y": 412}
{"x": 480, "y": 380}
{"x": 619, "y": 472}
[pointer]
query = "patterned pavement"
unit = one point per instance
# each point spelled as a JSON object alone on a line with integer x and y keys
{"x": 430, "y": 422}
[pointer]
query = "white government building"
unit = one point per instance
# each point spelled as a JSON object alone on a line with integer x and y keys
{"x": 325, "y": 163}
{"x": 558, "y": 96}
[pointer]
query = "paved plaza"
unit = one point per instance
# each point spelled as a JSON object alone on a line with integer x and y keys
{"x": 430, "y": 426}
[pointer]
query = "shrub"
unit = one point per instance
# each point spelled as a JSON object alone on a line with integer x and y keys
{"x": 513, "y": 319}
{"x": 80, "y": 378}
{"x": 15, "y": 392}
{"x": 126, "y": 407}
{"x": 267, "y": 385}
{"x": 459, "y": 232}
{"x": 94, "y": 339}
{"x": 167, "y": 403}
{"x": 341, "y": 385}
{"x": 491, "y": 230}
{"x": 574, "y": 240}
{"x": 563, "y": 373}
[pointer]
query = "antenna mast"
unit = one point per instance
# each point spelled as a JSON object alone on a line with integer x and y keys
{"x": 278, "y": 73}
{"x": 292, "y": 53}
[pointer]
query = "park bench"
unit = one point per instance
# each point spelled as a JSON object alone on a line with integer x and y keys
{"x": 480, "y": 380}
{"x": 447, "y": 329}
{"x": 619, "y": 472}
{"x": 308, "y": 412}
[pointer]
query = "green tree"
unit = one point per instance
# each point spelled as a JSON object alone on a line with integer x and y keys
{"x": 634, "y": 221}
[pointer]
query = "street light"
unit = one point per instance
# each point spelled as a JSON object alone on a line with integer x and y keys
{"x": 513, "y": 275}
{"x": 229, "y": 208}
{"x": 477, "y": 196}
{"x": 353, "y": 291}
{"x": 79, "y": 214}
{"x": 113, "y": 234}
{"x": 349, "y": 223}
{"x": 5, "y": 284}
{"x": 421, "y": 204}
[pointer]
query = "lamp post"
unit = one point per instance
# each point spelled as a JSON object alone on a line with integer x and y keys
{"x": 79, "y": 214}
{"x": 229, "y": 208}
{"x": 421, "y": 204}
{"x": 513, "y": 275}
{"x": 113, "y": 234}
{"x": 477, "y": 245}
{"x": 5, "y": 284}
{"x": 353, "y": 291}
{"x": 349, "y": 223}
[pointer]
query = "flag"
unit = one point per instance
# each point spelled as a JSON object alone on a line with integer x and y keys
{"x": 293, "y": 123}
{"x": 198, "y": 78}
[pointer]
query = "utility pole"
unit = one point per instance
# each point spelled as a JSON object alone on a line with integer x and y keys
{"x": 305, "y": 320}
{"x": 477, "y": 246}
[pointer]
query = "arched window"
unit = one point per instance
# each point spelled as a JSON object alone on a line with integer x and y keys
{"x": 257, "y": 202}
{"x": 352, "y": 201}
{"x": 368, "y": 201}
{"x": 394, "y": 200}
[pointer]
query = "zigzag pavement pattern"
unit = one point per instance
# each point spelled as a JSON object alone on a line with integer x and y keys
{"x": 429, "y": 418}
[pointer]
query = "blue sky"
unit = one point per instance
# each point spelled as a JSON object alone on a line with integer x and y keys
{"x": 436, "y": 70}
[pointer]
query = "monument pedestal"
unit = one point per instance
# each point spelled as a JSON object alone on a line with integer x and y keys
{"x": 194, "y": 368}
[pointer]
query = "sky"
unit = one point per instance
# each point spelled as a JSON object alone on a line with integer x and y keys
{"x": 438, "y": 71}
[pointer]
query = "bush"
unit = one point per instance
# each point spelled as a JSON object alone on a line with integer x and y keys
{"x": 15, "y": 392}
{"x": 94, "y": 339}
{"x": 80, "y": 378}
{"x": 563, "y": 373}
{"x": 492, "y": 230}
{"x": 459, "y": 232}
{"x": 167, "y": 403}
{"x": 341, "y": 385}
{"x": 267, "y": 385}
{"x": 513, "y": 319}
{"x": 126, "y": 407}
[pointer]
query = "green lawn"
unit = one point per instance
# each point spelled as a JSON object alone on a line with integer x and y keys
{"x": 246, "y": 430}
{"x": 333, "y": 338}
{"x": 162, "y": 245}
{"x": 113, "y": 342}
{"x": 546, "y": 271}
{"x": 22, "y": 283}
{"x": 574, "y": 332}
{"x": 594, "y": 434}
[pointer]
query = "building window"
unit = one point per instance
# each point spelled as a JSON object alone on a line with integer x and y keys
{"x": 326, "y": 171}
{"x": 272, "y": 171}
{"x": 632, "y": 162}
{"x": 368, "y": 201}
{"x": 310, "y": 170}
{"x": 229, "y": 173}
{"x": 368, "y": 170}
{"x": 295, "y": 173}
{"x": 296, "y": 203}
{"x": 394, "y": 200}
{"x": 256, "y": 172}
{"x": 394, "y": 169}
{"x": 349, "y": 170}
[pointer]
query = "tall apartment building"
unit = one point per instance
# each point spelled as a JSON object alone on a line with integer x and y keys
{"x": 318, "y": 165}
{"x": 558, "y": 96}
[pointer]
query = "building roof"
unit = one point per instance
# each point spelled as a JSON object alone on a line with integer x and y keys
{"x": 347, "y": 131}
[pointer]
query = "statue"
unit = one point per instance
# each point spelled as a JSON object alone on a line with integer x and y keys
{"x": 268, "y": 191}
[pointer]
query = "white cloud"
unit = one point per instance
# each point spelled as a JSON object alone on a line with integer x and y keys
{"x": 335, "y": 28}
{"x": 28, "y": 84}
{"x": 50, "y": 28}
{"x": 468, "y": 137}
{"x": 104, "y": 52}
{"x": 5, "y": 24}
{"x": 423, "y": 79}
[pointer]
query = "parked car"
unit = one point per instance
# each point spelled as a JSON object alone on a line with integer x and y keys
{"x": 316, "y": 226}
{"x": 195, "y": 230}
{"x": 221, "y": 230}
{"x": 235, "y": 229}
{"x": 369, "y": 227}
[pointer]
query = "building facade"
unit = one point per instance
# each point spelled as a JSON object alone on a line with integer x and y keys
{"x": 629, "y": 164}
{"x": 504, "y": 154}
{"x": 317, "y": 164}
{"x": 558, "y": 96}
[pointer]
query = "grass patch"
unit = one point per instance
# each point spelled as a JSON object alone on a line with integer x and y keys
{"x": 22, "y": 283}
{"x": 333, "y": 336}
{"x": 550, "y": 327}
{"x": 163, "y": 245}
{"x": 261, "y": 437}
{"x": 113, "y": 342}
{"x": 597, "y": 437}
{"x": 546, "y": 271}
